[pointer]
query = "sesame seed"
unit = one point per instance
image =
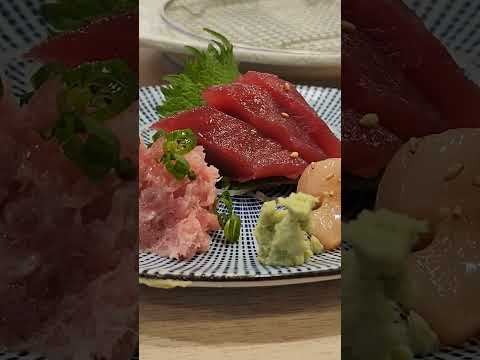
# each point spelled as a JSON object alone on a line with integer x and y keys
{"x": 294, "y": 154}
{"x": 285, "y": 115}
{"x": 453, "y": 171}
{"x": 370, "y": 120}
{"x": 348, "y": 26}
{"x": 286, "y": 86}
{"x": 329, "y": 176}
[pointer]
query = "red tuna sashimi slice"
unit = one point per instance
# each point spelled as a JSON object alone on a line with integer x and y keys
{"x": 235, "y": 147}
{"x": 255, "y": 106}
{"x": 103, "y": 39}
{"x": 292, "y": 102}
{"x": 371, "y": 83}
{"x": 365, "y": 151}
{"x": 421, "y": 56}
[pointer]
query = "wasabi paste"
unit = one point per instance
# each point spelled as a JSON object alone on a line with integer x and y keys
{"x": 281, "y": 233}
{"x": 378, "y": 322}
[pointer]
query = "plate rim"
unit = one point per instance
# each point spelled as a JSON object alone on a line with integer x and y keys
{"x": 174, "y": 40}
{"x": 155, "y": 282}
{"x": 243, "y": 278}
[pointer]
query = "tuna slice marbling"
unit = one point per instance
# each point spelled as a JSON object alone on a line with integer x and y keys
{"x": 236, "y": 147}
{"x": 255, "y": 106}
{"x": 290, "y": 101}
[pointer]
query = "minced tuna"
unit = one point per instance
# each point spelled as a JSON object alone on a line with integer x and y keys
{"x": 175, "y": 215}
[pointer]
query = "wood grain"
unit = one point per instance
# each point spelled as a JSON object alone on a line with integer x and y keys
{"x": 289, "y": 322}
{"x": 278, "y": 323}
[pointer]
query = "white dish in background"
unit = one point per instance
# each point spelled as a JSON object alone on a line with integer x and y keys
{"x": 305, "y": 40}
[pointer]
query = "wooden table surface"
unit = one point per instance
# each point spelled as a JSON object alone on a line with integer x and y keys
{"x": 288, "y": 322}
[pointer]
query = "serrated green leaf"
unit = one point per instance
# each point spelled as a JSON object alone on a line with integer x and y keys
{"x": 214, "y": 66}
{"x": 181, "y": 94}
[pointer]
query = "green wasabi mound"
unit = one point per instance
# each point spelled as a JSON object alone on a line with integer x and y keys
{"x": 377, "y": 290}
{"x": 282, "y": 233}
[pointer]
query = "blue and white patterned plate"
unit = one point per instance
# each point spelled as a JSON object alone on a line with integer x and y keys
{"x": 237, "y": 264}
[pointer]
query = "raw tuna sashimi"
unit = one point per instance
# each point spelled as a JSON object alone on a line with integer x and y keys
{"x": 366, "y": 149}
{"x": 175, "y": 215}
{"x": 371, "y": 83}
{"x": 394, "y": 68}
{"x": 236, "y": 147}
{"x": 255, "y": 106}
{"x": 424, "y": 60}
{"x": 292, "y": 102}
{"x": 103, "y": 39}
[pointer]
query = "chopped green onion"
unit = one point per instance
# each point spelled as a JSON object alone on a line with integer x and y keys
{"x": 229, "y": 221}
{"x": 46, "y": 72}
{"x": 96, "y": 152}
{"x": 160, "y": 133}
{"x": 100, "y": 90}
{"x": 180, "y": 141}
{"x": 43, "y": 74}
{"x": 92, "y": 93}
{"x": 177, "y": 166}
{"x": 224, "y": 183}
{"x": 177, "y": 143}
{"x": 232, "y": 228}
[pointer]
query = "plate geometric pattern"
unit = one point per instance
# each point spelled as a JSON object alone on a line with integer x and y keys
{"x": 263, "y": 24}
{"x": 301, "y": 35}
{"x": 239, "y": 261}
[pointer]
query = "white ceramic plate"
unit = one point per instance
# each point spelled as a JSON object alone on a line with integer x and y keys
{"x": 301, "y": 34}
